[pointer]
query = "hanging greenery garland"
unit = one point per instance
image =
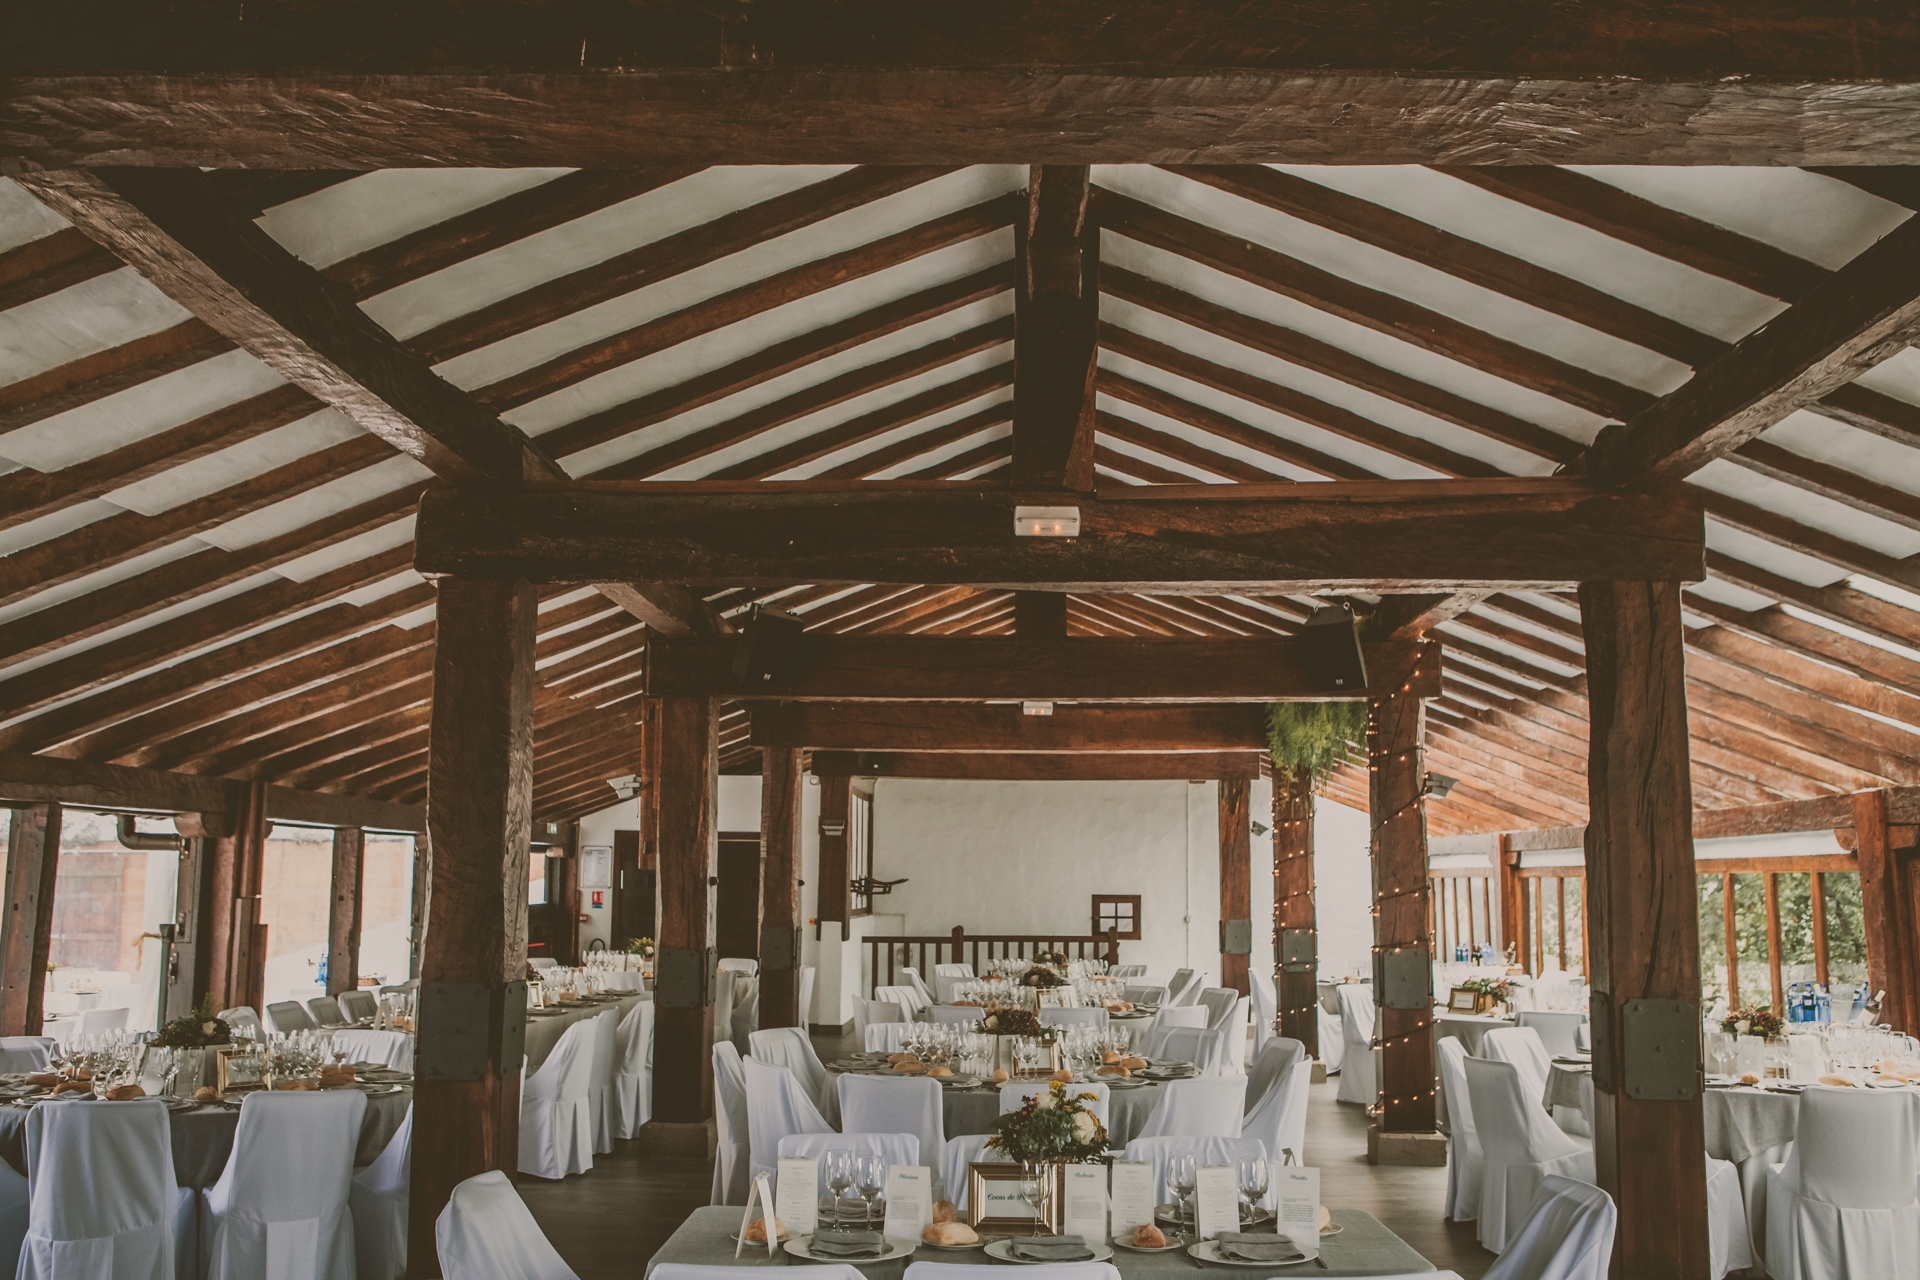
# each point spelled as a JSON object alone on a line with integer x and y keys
{"x": 1314, "y": 738}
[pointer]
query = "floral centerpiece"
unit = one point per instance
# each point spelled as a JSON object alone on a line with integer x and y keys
{"x": 1058, "y": 959}
{"x": 1499, "y": 988}
{"x": 1000, "y": 1020}
{"x": 195, "y": 1030}
{"x": 642, "y": 947}
{"x": 1039, "y": 977}
{"x": 1753, "y": 1022}
{"x": 1053, "y": 1126}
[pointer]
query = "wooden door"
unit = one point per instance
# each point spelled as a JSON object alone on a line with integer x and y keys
{"x": 737, "y": 905}
{"x": 630, "y": 909}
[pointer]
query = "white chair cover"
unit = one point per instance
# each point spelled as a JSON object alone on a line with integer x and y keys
{"x": 868, "y": 1012}
{"x": 486, "y": 1231}
{"x": 919, "y": 985}
{"x": 946, "y": 977}
{"x": 894, "y": 1148}
{"x": 1729, "y": 1241}
{"x": 1159, "y": 1152}
{"x": 1155, "y": 996}
{"x": 1280, "y": 1118}
{"x": 746, "y": 1009}
{"x": 556, "y": 1109}
{"x": 1843, "y": 1203}
{"x": 1128, "y": 971}
{"x": 363, "y": 1044}
{"x": 776, "y": 1107}
{"x": 731, "y": 1159}
{"x": 378, "y": 1202}
{"x": 906, "y": 997}
{"x": 1272, "y": 1063}
{"x": 102, "y": 1200}
{"x": 1183, "y": 987}
{"x": 622, "y": 980}
{"x": 543, "y": 962}
{"x": 806, "y": 995}
{"x": 279, "y": 1210}
{"x": 15, "y": 1211}
{"x": 1519, "y": 1146}
{"x": 1220, "y": 1003}
{"x": 93, "y": 1021}
{"x": 739, "y": 964}
{"x": 1266, "y": 1008}
{"x": 723, "y": 1008}
{"x": 1558, "y": 1032}
{"x": 1096, "y": 1018}
{"x": 1153, "y": 1040}
{"x": 1463, "y": 1142}
{"x": 1568, "y": 1235}
{"x": 980, "y": 1271}
{"x": 1014, "y": 1095}
{"x": 888, "y": 1037}
{"x": 1521, "y": 1046}
{"x": 1205, "y": 1049}
{"x": 287, "y": 1016}
{"x": 23, "y": 1053}
{"x": 791, "y": 1048}
{"x": 355, "y": 1005}
{"x": 968, "y": 1148}
{"x": 600, "y": 1103}
{"x": 1210, "y": 1107}
{"x": 326, "y": 1011}
{"x": 1356, "y": 1053}
{"x": 633, "y": 1071}
{"x": 1333, "y": 1040}
{"x": 1236, "y": 1035}
{"x": 961, "y": 1014}
{"x": 890, "y": 1104}
{"x": 697, "y": 1271}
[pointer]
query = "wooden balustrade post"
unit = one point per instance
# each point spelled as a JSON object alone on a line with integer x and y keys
{"x": 683, "y": 987}
{"x": 780, "y": 889}
{"x": 343, "y": 920}
{"x": 1236, "y": 889}
{"x": 473, "y": 957}
{"x": 1296, "y": 936}
{"x": 26, "y": 935}
{"x": 1644, "y": 934}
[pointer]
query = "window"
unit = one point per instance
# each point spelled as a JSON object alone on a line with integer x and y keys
{"x": 1460, "y": 905}
{"x": 1553, "y": 920}
{"x": 1769, "y": 924}
{"x": 860, "y": 851}
{"x": 1119, "y": 912}
{"x": 537, "y": 879}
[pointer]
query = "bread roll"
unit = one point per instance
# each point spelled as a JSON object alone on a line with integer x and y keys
{"x": 1749, "y": 1078}
{"x": 126, "y": 1093}
{"x": 1148, "y": 1236}
{"x": 45, "y": 1079}
{"x": 950, "y": 1233}
{"x": 206, "y": 1093}
{"x": 1132, "y": 1063}
{"x": 945, "y": 1211}
{"x": 1836, "y": 1080}
{"x": 757, "y": 1231}
{"x": 943, "y": 1072}
{"x": 1326, "y": 1217}
{"x": 1115, "y": 1070}
{"x": 915, "y": 1068}
{"x": 1000, "y": 1077}
{"x": 1063, "y": 1076}
{"x": 1109, "y": 1056}
{"x": 900, "y": 1059}
{"x": 73, "y": 1086}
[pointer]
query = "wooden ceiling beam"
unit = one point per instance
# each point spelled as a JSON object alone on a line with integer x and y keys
{"x": 868, "y": 466}
{"x": 1057, "y": 311}
{"x": 932, "y": 607}
{"x": 1886, "y": 674}
{"x": 1808, "y": 540}
{"x": 967, "y": 464}
{"x": 950, "y": 727}
{"x": 1164, "y": 403}
{"x": 94, "y": 377}
{"x": 1138, "y": 471}
{"x": 49, "y": 264}
{"x": 1035, "y": 767}
{"x": 1838, "y": 603}
{"x": 1207, "y": 539}
{"x": 1849, "y": 488}
{"x": 1180, "y": 449}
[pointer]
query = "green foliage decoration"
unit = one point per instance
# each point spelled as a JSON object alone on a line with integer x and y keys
{"x": 1314, "y": 738}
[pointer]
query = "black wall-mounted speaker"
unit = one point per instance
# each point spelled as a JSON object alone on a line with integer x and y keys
{"x": 1330, "y": 651}
{"x": 768, "y": 656}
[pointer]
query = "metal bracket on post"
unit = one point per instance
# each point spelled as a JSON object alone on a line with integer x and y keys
{"x": 1408, "y": 979}
{"x": 685, "y": 977}
{"x": 779, "y": 947}
{"x": 1236, "y": 937}
{"x": 1660, "y": 1049}
{"x": 464, "y": 1025}
{"x": 1299, "y": 950}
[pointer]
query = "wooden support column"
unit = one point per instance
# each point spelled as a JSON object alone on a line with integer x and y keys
{"x": 780, "y": 888}
{"x": 1295, "y": 926}
{"x": 1236, "y": 890}
{"x": 26, "y": 935}
{"x": 473, "y": 999}
{"x": 343, "y": 921}
{"x": 834, "y": 900}
{"x": 236, "y": 966}
{"x": 1643, "y": 931}
{"x": 1888, "y": 914}
{"x": 186, "y": 975}
{"x": 683, "y": 990}
{"x": 1402, "y": 925}
{"x": 1513, "y": 910}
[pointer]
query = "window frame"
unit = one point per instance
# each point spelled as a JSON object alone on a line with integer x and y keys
{"x": 1117, "y": 899}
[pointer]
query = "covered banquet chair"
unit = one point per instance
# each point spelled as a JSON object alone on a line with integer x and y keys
{"x": 556, "y": 1107}
{"x": 776, "y": 1107}
{"x": 280, "y": 1208}
{"x": 732, "y": 1157}
{"x": 25, "y": 1053}
{"x": 485, "y": 1230}
{"x": 1279, "y": 1118}
{"x": 356, "y": 1006}
{"x": 1463, "y": 1142}
{"x": 1519, "y": 1146}
{"x": 889, "y": 1104}
{"x": 948, "y": 976}
{"x": 1356, "y": 1050}
{"x": 102, "y": 1200}
{"x": 1567, "y": 1234}
{"x": 1843, "y": 1204}
{"x": 894, "y": 1148}
{"x": 633, "y": 1071}
{"x": 378, "y": 1202}
{"x": 1159, "y": 1152}
{"x": 600, "y": 1104}
{"x": 1207, "y": 1107}
{"x": 1274, "y": 1059}
{"x": 791, "y": 1048}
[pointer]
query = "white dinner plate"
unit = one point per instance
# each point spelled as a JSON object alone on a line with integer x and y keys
{"x": 1208, "y": 1251}
{"x": 1003, "y": 1250}
{"x": 954, "y": 1248}
{"x": 797, "y": 1246}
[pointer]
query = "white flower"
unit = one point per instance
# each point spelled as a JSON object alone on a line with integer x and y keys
{"x": 1045, "y": 1101}
{"x": 1084, "y": 1126}
{"x": 1742, "y": 1026}
{"x": 992, "y": 1022}
{"x": 207, "y": 1028}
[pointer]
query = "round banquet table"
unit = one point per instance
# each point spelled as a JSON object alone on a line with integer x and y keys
{"x": 544, "y": 1026}
{"x": 203, "y": 1137}
{"x": 974, "y": 1110}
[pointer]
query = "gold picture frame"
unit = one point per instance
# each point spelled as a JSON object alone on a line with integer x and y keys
{"x": 238, "y": 1070}
{"x": 993, "y": 1188}
{"x": 1467, "y": 1000}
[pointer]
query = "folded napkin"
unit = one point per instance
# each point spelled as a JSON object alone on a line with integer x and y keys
{"x": 1054, "y": 1249}
{"x": 847, "y": 1244}
{"x": 1243, "y": 1246}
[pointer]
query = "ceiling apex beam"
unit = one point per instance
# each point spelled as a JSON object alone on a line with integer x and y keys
{"x": 1056, "y": 316}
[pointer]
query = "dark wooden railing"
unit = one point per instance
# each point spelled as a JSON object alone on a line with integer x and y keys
{"x": 886, "y": 956}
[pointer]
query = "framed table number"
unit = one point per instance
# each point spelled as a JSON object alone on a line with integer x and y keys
{"x": 996, "y": 1199}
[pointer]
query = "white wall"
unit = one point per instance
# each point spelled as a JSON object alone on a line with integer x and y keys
{"x": 1343, "y": 890}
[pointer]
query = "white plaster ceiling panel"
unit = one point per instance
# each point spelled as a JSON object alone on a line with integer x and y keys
{"x": 317, "y": 503}
{"x": 1377, "y": 409}
{"x": 148, "y": 621}
{"x": 795, "y": 319}
{"x": 1492, "y": 611}
{"x": 1897, "y": 376}
{"x": 1382, "y": 349}
{"x": 1909, "y": 652}
{"x": 1563, "y": 604}
{"x": 92, "y": 316}
{"x": 1191, "y": 471}
{"x": 1886, "y": 591}
{"x": 1884, "y": 461}
{"x": 401, "y": 581}
{"x": 590, "y": 461}
{"x": 1491, "y": 312}
{"x": 974, "y": 473}
{"x": 347, "y": 550}
{"x": 612, "y": 609}
{"x": 23, "y": 218}
{"x": 236, "y": 463}
{"x": 118, "y": 420}
{"x": 837, "y": 234}
{"x": 1001, "y": 431}
{"x": 606, "y": 233}
{"x": 99, "y": 580}
{"x": 807, "y": 471}
{"x": 1810, "y": 509}
{"x": 561, "y": 655}
{"x": 1771, "y": 556}
{"x": 1817, "y": 218}
{"x": 567, "y": 597}
{"x": 1218, "y": 444}
{"x": 351, "y": 217}
{"x": 1499, "y": 645}
{"x": 32, "y": 533}
{"x": 1728, "y": 594}
{"x": 415, "y": 620}
{"x": 817, "y": 422}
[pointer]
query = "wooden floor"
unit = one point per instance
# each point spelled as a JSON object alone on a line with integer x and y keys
{"x": 607, "y": 1223}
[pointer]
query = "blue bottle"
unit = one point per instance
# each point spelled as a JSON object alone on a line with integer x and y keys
{"x": 1793, "y": 1003}
{"x": 1822, "y": 1004}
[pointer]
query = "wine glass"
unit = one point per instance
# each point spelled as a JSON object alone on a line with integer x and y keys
{"x": 1724, "y": 1053}
{"x": 870, "y": 1179}
{"x": 1181, "y": 1180}
{"x": 839, "y": 1178}
{"x": 1253, "y": 1186}
{"x": 1033, "y": 1189}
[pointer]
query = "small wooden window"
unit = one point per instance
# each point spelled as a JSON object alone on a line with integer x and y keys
{"x": 1119, "y": 912}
